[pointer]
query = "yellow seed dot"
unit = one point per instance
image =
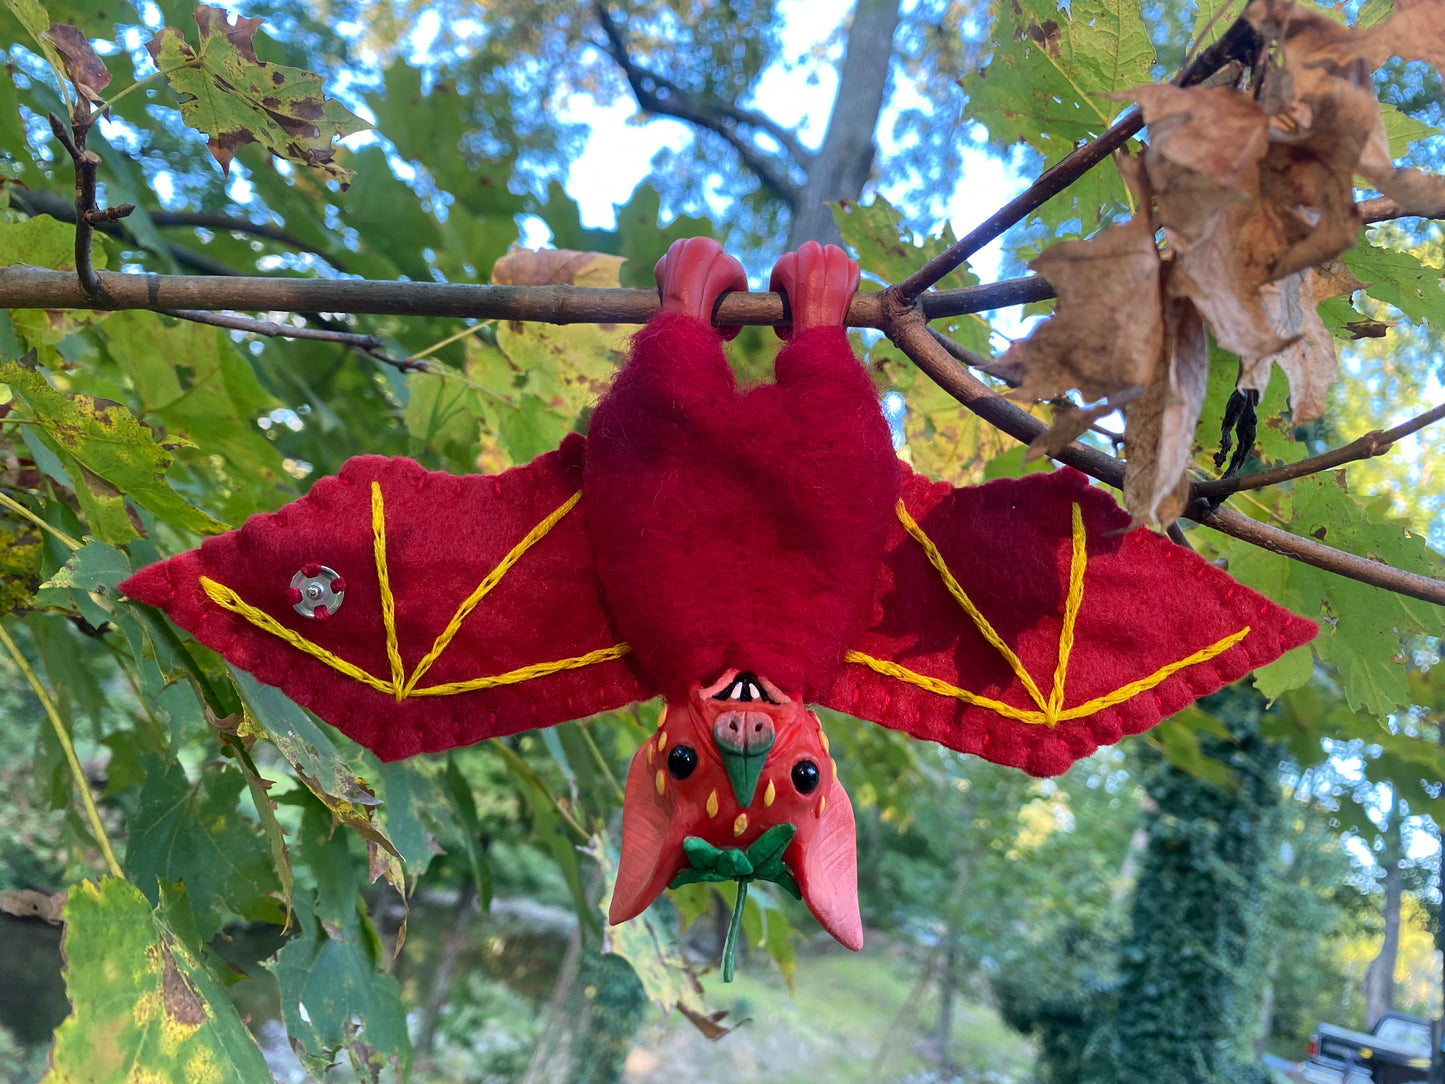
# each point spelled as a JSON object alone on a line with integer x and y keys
{"x": 835, "y": 768}
{"x": 712, "y": 804}
{"x": 823, "y": 737}
{"x": 769, "y": 795}
{"x": 661, "y": 783}
{"x": 661, "y": 740}
{"x": 740, "y": 825}
{"x": 649, "y": 752}
{"x": 822, "y": 804}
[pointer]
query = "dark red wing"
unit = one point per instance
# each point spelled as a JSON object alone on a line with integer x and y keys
{"x": 1154, "y": 626}
{"x": 538, "y": 643}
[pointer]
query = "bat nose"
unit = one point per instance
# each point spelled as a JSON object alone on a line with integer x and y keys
{"x": 749, "y": 733}
{"x": 743, "y": 738}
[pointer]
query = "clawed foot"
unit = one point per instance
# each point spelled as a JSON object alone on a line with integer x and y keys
{"x": 693, "y": 276}
{"x": 818, "y": 283}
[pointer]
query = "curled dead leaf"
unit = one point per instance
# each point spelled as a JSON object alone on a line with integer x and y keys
{"x": 1309, "y": 360}
{"x": 83, "y": 66}
{"x": 1104, "y": 335}
{"x": 1159, "y": 435}
{"x": 28, "y": 903}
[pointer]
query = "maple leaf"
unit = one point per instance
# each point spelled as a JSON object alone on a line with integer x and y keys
{"x": 1105, "y": 333}
{"x": 236, "y": 98}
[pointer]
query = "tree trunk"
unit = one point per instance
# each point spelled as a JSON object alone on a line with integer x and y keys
{"x": 1437, "y": 1028}
{"x": 942, "y": 1031}
{"x": 1379, "y": 984}
{"x": 452, "y": 943}
{"x": 846, "y": 157}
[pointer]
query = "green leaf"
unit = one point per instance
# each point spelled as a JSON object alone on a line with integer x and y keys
{"x": 334, "y": 997}
{"x": 411, "y": 795}
{"x": 143, "y": 1006}
{"x": 1401, "y": 129}
{"x": 234, "y": 98}
{"x": 464, "y": 809}
{"x": 194, "y": 833}
{"x": 1290, "y": 671}
{"x": 1398, "y": 278}
{"x": 1051, "y": 71}
{"x": 114, "y": 455}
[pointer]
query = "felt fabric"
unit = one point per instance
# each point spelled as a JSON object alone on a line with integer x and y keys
{"x": 1147, "y": 604}
{"x": 443, "y": 535}
{"x": 739, "y": 529}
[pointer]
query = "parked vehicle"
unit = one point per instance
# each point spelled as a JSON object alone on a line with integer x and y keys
{"x": 1397, "y": 1051}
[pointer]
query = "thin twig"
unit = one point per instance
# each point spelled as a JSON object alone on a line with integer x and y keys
{"x": 369, "y": 344}
{"x": 19, "y": 509}
{"x": 1376, "y": 442}
{"x": 909, "y": 332}
{"x": 1385, "y": 209}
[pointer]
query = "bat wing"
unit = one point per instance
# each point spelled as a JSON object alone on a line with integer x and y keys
{"x": 1025, "y": 622}
{"x": 465, "y": 608}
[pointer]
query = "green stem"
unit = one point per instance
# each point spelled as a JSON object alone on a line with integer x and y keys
{"x": 602, "y": 764}
{"x": 19, "y": 509}
{"x": 730, "y": 946}
{"x": 139, "y": 83}
{"x": 77, "y": 773}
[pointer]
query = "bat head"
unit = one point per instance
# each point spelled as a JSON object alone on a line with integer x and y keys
{"x": 735, "y": 770}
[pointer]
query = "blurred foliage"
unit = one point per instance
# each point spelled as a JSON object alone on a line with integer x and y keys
{"x": 128, "y": 436}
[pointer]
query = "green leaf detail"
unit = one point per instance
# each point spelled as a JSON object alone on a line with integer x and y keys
{"x": 110, "y": 455}
{"x": 143, "y": 1005}
{"x": 233, "y": 97}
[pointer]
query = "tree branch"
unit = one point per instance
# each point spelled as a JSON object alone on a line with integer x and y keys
{"x": 87, "y": 215}
{"x": 908, "y": 329}
{"x": 1373, "y": 443}
{"x": 658, "y": 94}
{"x": 36, "y": 201}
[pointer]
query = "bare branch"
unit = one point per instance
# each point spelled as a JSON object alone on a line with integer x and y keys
{"x": 367, "y": 344}
{"x": 39, "y": 202}
{"x": 908, "y": 330}
{"x": 658, "y": 94}
{"x": 87, "y": 215}
{"x": 25, "y": 287}
{"x": 1376, "y": 442}
{"x": 1384, "y": 209}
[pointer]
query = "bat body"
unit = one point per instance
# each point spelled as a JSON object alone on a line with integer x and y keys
{"x": 741, "y": 553}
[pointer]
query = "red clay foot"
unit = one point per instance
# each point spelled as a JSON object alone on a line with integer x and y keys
{"x": 818, "y": 283}
{"x": 694, "y": 275}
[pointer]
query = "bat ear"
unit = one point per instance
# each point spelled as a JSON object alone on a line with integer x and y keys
{"x": 651, "y": 855}
{"x": 828, "y": 872}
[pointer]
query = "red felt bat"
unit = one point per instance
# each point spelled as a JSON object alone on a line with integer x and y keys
{"x": 742, "y": 553}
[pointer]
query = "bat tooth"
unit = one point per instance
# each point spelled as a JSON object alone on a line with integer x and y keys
{"x": 736, "y": 692}
{"x": 757, "y": 693}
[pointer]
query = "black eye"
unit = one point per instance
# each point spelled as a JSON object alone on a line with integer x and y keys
{"x": 681, "y": 761}
{"x": 805, "y": 776}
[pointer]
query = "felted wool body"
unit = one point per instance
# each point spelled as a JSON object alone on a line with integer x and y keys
{"x": 1147, "y": 603}
{"x": 739, "y": 529}
{"x": 444, "y": 533}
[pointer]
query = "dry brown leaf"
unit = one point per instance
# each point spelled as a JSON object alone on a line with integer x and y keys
{"x": 1105, "y": 333}
{"x": 1415, "y": 32}
{"x": 556, "y": 267}
{"x": 1159, "y": 436}
{"x": 1070, "y": 423}
{"x": 83, "y": 66}
{"x": 1309, "y": 361}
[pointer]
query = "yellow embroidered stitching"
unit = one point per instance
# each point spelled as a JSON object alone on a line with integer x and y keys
{"x": 388, "y": 601}
{"x": 1052, "y": 712}
{"x": 1078, "y": 560}
{"x": 1118, "y": 696}
{"x": 493, "y": 577}
{"x": 956, "y": 590}
{"x": 399, "y": 686}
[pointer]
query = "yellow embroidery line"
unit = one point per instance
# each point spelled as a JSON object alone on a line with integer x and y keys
{"x": 1052, "y": 712}
{"x": 399, "y": 686}
{"x": 956, "y": 590}
{"x": 388, "y": 600}
{"x": 493, "y": 578}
